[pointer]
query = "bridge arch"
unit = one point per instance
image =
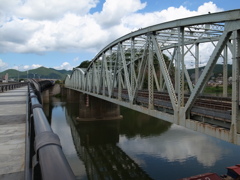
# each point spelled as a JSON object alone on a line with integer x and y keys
{"x": 132, "y": 71}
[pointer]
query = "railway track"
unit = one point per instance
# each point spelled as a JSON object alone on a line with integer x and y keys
{"x": 211, "y": 109}
{"x": 212, "y": 102}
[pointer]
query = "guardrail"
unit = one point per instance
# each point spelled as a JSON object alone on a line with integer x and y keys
{"x": 45, "y": 159}
{"x": 9, "y": 86}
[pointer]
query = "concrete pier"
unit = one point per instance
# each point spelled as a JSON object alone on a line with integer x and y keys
{"x": 93, "y": 109}
{"x": 12, "y": 133}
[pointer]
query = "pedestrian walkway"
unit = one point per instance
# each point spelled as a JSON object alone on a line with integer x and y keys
{"x": 12, "y": 133}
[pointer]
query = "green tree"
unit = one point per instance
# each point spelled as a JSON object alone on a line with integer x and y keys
{"x": 84, "y": 64}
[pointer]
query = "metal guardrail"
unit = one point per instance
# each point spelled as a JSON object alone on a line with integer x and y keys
{"x": 45, "y": 159}
{"x": 10, "y": 86}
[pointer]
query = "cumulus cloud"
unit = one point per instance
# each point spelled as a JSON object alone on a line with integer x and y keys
{"x": 53, "y": 9}
{"x": 33, "y": 26}
{"x": 113, "y": 11}
{"x": 16, "y": 34}
{"x": 36, "y": 66}
{"x": 140, "y": 20}
{"x": 24, "y": 67}
{"x": 65, "y": 65}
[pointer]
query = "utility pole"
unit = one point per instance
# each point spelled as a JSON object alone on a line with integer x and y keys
{"x": 18, "y": 74}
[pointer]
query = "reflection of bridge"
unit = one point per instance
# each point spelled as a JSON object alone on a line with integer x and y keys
{"x": 134, "y": 72}
{"x": 103, "y": 159}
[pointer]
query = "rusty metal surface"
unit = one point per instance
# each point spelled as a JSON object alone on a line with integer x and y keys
{"x": 206, "y": 176}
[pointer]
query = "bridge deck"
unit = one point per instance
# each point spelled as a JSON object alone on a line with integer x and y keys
{"x": 12, "y": 133}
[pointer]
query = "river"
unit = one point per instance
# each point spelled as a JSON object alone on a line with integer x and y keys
{"x": 136, "y": 147}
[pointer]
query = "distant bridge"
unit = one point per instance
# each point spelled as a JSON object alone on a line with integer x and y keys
{"x": 134, "y": 72}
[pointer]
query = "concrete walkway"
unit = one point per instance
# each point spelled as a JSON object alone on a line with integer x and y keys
{"x": 12, "y": 133}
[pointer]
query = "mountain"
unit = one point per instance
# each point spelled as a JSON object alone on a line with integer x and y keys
{"x": 218, "y": 69}
{"x": 41, "y": 72}
{"x": 50, "y": 73}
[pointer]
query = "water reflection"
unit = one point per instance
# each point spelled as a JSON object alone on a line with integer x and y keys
{"x": 61, "y": 127}
{"x": 138, "y": 146}
{"x": 139, "y": 124}
{"x": 155, "y": 143}
{"x": 177, "y": 144}
{"x": 95, "y": 143}
{"x": 146, "y": 138}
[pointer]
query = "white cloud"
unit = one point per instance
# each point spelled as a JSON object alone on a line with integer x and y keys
{"x": 15, "y": 67}
{"x": 34, "y": 66}
{"x": 54, "y": 9}
{"x": 139, "y": 20}
{"x": 34, "y": 26}
{"x": 6, "y": 10}
{"x": 176, "y": 145}
{"x": 26, "y": 67}
{"x": 113, "y": 11}
{"x": 208, "y": 7}
{"x": 65, "y": 65}
{"x": 16, "y": 34}
{"x": 3, "y": 65}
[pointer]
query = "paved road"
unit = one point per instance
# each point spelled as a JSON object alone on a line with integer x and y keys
{"x": 12, "y": 133}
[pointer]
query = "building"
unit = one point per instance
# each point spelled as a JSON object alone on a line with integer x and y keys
{"x": 5, "y": 78}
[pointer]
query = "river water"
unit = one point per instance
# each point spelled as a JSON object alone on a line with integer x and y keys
{"x": 136, "y": 147}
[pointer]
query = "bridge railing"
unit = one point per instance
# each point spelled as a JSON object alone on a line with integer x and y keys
{"x": 10, "y": 86}
{"x": 44, "y": 156}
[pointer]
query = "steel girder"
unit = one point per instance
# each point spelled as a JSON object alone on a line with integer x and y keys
{"x": 137, "y": 61}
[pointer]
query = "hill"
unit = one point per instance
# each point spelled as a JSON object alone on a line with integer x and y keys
{"x": 50, "y": 73}
{"x": 41, "y": 72}
{"x": 218, "y": 69}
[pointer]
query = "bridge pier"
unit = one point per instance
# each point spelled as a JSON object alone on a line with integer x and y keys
{"x": 72, "y": 96}
{"x": 55, "y": 90}
{"x": 45, "y": 96}
{"x": 92, "y": 108}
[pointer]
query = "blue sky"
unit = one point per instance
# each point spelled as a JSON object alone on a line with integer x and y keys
{"x": 61, "y": 35}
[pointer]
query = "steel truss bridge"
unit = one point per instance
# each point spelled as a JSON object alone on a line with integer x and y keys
{"x": 133, "y": 71}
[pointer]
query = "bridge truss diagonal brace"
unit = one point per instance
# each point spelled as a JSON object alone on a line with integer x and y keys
{"x": 96, "y": 78}
{"x": 165, "y": 73}
{"x": 126, "y": 74}
{"x": 210, "y": 65}
{"x": 107, "y": 74}
{"x": 170, "y": 65}
{"x": 141, "y": 71}
{"x": 188, "y": 78}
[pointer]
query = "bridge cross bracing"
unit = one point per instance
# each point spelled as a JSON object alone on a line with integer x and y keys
{"x": 146, "y": 70}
